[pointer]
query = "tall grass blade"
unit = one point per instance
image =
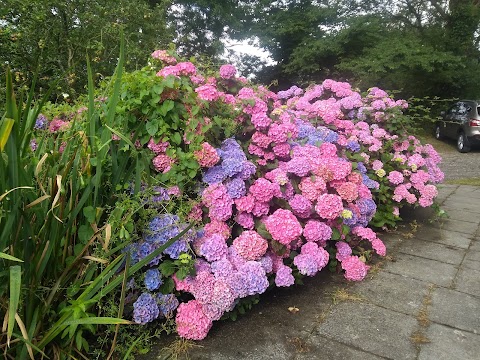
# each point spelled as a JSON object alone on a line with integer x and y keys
{"x": 15, "y": 286}
{"x": 5, "y": 130}
{"x": 9, "y": 257}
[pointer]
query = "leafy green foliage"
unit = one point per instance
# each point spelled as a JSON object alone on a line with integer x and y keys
{"x": 57, "y": 35}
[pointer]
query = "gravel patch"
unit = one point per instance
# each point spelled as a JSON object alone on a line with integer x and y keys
{"x": 456, "y": 165}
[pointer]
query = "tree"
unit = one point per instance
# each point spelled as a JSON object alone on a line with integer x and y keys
{"x": 57, "y": 36}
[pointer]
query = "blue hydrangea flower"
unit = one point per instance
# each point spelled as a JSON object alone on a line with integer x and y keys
{"x": 152, "y": 279}
{"x": 361, "y": 167}
{"x": 366, "y": 206}
{"x": 305, "y": 129}
{"x": 369, "y": 183}
{"x": 178, "y": 247}
{"x": 353, "y": 146}
{"x": 41, "y": 123}
{"x": 145, "y": 309}
{"x": 214, "y": 175}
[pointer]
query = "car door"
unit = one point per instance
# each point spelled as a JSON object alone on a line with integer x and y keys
{"x": 448, "y": 126}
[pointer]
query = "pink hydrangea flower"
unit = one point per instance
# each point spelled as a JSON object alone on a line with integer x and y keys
{"x": 355, "y": 269}
{"x": 395, "y": 177}
{"x": 207, "y": 156}
{"x": 162, "y": 163}
{"x": 207, "y": 92}
{"x": 227, "y": 71}
{"x": 283, "y": 226}
{"x": 316, "y": 230}
{"x": 348, "y": 191}
{"x": 329, "y": 206}
{"x": 192, "y": 323}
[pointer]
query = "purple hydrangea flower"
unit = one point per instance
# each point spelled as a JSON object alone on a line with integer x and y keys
{"x": 236, "y": 188}
{"x": 145, "y": 309}
{"x": 255, "y": 277}
{"x": 284, "y": 276}
{"x": 248, "y": 170}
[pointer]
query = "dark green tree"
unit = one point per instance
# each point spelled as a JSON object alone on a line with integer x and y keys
{"x": 57, "y": 36}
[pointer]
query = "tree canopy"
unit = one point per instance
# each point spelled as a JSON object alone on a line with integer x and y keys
{"x": 422, "y": 48}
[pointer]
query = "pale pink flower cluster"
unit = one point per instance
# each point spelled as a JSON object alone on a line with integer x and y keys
{"x": 250, "y": 245}
{"x": 163, "y": 55}
{"x": 355, "y": 269}
{"x": 207, "y": 156}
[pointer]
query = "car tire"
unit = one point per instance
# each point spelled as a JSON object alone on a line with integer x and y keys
{"x": 438, "y": 132}
{"x": 462, "y": 143}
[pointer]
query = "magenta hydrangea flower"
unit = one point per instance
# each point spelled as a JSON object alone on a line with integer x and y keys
{"x": 262, "y": 190}
{"x": 227, "y": 71}
{"x": 192, "y": 323}
{"x": 250, "y": 245}
{"x": 245, "y": 220}
{"x": 245, "y": 203}
{"x": 329, "y": 206}
{"x": 301, "y": 206}
{"x": 316, "y": 230}
{"x": 283, "y": 226}
{"x": 207, "y": 92}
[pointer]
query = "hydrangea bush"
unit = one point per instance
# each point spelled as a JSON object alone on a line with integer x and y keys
{"x": 294, "y": 189}
{"x": 281, "y": 185}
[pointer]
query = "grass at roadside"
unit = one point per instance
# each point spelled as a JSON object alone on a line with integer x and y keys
{"x": 467, "y": 181}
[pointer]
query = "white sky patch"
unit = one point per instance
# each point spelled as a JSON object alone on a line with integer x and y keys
{"x": 249, "y": 47}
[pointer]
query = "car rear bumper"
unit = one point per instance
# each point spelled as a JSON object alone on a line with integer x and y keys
{"x": 473, "y": 136}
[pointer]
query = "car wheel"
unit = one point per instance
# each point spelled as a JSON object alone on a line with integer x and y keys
{"x": 438, "y": 134}
{"x": 462, "y": 144}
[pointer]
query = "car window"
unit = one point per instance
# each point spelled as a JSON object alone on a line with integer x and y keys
{"x": 462, "y": 108}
